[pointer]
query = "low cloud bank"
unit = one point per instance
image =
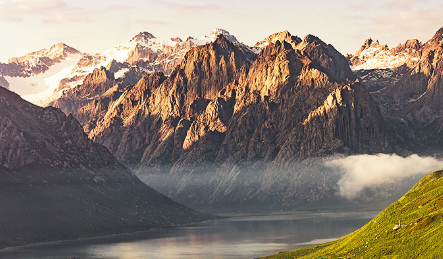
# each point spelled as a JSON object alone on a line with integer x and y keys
{"x": 363, "y": 171}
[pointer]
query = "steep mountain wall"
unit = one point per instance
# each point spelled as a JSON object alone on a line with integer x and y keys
{"x": 219, "y": 112}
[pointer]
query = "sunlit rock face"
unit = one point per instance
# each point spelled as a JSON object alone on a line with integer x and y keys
{"x": 57, "y": 184}
{"x": 230, "y": 111}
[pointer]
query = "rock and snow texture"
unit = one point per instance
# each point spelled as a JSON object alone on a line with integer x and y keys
{"x": 40, "y": 77}
{"x": 36, "y": 75}
{"x": 406, "y": 82}
{"x": 379, "y": 66}
{"x": 39, "y": 87}
{"x": 372, "y": 55}
{"x": 279, "y": 36}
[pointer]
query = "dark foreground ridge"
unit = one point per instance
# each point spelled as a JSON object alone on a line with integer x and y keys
{"x": 57, "y": 184}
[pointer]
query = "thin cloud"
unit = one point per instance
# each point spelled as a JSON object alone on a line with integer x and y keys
{"x": 189, "y": 8}
{"x": 152, "y": 22}
{"x": 118, "y": 7}
{"x": 400, "y": 4}
{"x": 62, "y": 39}
{"x": 363, "y": 6}
{"x": 418, "y": 22}
{"x": 47, "y": 11}
{"x": 15, "y": 11}
{"x": 67, "y": 17}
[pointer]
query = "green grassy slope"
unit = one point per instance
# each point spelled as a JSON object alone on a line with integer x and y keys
{"x": 420, "y": 212}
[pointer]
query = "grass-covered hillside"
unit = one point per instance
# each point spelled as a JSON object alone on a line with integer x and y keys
{"x": 419, "y": 234}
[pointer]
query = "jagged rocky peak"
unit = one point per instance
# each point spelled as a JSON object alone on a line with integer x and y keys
{"x": 279, "y": 36}
{"x": 115, "y": 66}
{"x": 218, "y": 31}
{"x": 199, "y": 64}
{"x": 438, "y": 36}
{"x": 99, "y": 75}
{"x": 312, "y": 38}
{"x": 55, "y": 53}
{"x": 327, "y": 57}
{"x": 312, "y": 47}
{"x": 370, "y": 43}
{"x": 178, "y": 40}
{"x": 372, "y": 55}
{"x": 413, "y": 44}
{"x": 143, "y": 36}
{"x": 37, "y": 62}
{"x": 61, "y": 50}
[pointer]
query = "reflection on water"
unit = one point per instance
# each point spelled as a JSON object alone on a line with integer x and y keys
{"x": 240, "y": 237}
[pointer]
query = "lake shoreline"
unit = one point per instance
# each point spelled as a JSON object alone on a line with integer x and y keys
{"x": 239, "y": 234}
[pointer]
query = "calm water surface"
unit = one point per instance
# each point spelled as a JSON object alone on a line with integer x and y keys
{"x": 239, "y": 237}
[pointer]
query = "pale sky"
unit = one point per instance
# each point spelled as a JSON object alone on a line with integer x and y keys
{"x": 93, "y": 26}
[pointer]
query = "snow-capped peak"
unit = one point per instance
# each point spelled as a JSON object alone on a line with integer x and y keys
{"x": 279, "y": 36}
{"x": 56, "y": 53}
{"x": 142, "y": 36}
{"x": 217, "y": 31}
{"x": 372, "y": 55}
{"x": 143, "y": 41}
{"x": 213, "y": 35}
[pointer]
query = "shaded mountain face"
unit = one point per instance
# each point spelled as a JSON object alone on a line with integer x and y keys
{"x": 410, "y": 97}
{"x": 57, "y": 184}
{"x": 3, "y": 82}
{"x": 379, "y": 66}
{"x": 226, "y": 123}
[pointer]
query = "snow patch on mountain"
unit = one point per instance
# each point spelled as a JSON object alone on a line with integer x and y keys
{"x": 279, "y": 36}
{"x": 67, "y": 70}
{"x": 42, "y": 85}
{"x": 120, "y": 73}
{"x": 377, "y": 58}
{"x": 213, "y": 35}
{"x": 218, "y": 31}
{"x": 372, "y": 55}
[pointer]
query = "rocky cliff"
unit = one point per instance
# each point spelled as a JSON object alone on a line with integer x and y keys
{"x": 411, "y": 99}
{"x": 379, "y": 66}
{"x": 243, "y": 117}
{"x": 57, "y": 184}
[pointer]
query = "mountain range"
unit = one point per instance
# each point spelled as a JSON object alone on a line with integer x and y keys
{"x": 219, "y": 125}
{"x": 41, "y": 76}
{"x": 408, "y": 90}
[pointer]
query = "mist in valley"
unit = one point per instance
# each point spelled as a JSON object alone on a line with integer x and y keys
{"x": 359, "y": 182}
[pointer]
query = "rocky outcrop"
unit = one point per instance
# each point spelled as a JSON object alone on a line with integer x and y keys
{"x": 57, "y": 184}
